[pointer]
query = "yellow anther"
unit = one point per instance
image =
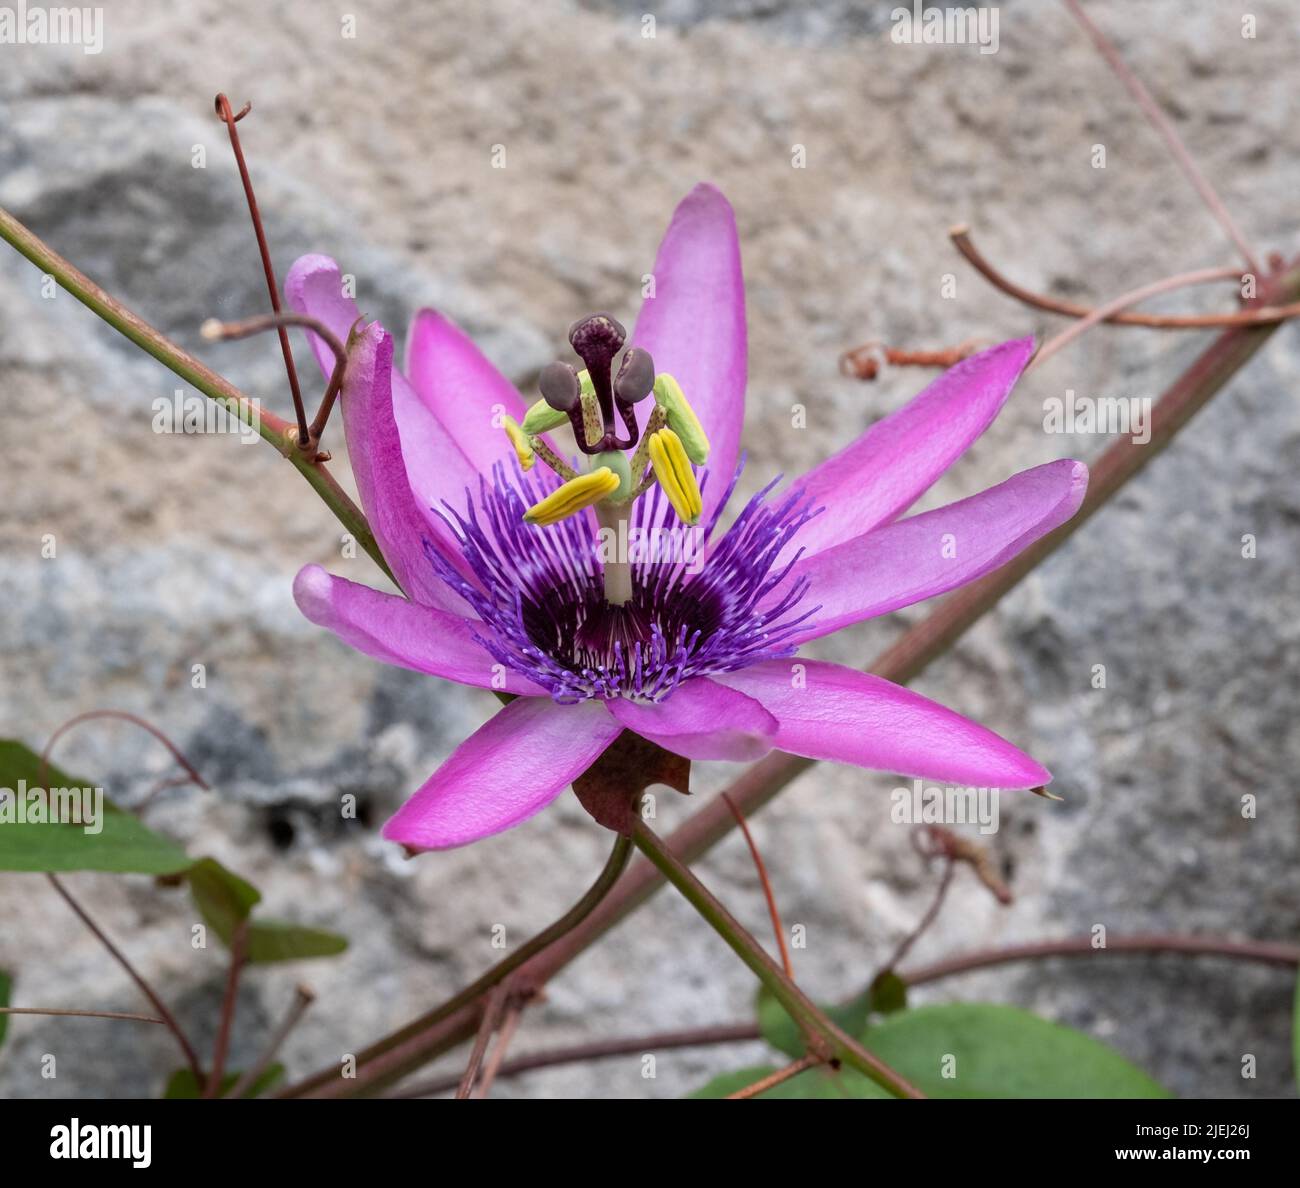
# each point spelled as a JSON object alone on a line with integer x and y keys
{"x": 571, "y": 498}
{"x": 519, "y": 439}
{"x": 672, "y": 468}
{"x": 682, "y": 419}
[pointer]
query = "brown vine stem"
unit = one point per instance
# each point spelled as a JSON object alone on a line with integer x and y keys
{"x": 158, "y": 789}
{"x": 932, "y": 912}
{"x": 191, "y": 772}
{"x": 191, "y": 1057}
{"x": 127, "y": 1015}
{"x": 1263, "y": 952}
{"x": 768, "y": 894}
{"x": 429, "y": 1036}
{"x": 238, "y": 955}
{"x": 215, "y": 330}
{"x": 639, "y": 1045}
{"x": 506, "y": 1033}
{"x": 492, "y": 1012}
{"x": 1123, "y": 301}
{"x": 1153, "y": 112}
{"x": 304, "y": 996}
{"x": 1260, "y": 315}
{"x": 230, "y": 119}
{"x": 772, "y": 1080}
{"x": 1266, "y": 952}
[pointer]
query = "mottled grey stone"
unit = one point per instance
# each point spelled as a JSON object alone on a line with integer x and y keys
{"x": 174, "y": 552}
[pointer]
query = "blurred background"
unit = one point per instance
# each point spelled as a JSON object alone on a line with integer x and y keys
{"x": 377, "y": 148}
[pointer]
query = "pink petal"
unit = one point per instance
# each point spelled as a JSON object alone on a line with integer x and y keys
{"x": 506, "y": 771}
{"x": 314, "y": 287}
{"x": 917, "y": 558}
{"x": 899, "y": 458}
{"x": 701, "y": 719}
{"x": 462, "y": 389}
{"x": 397, "y": 631}
{"x": 401, "y": 522}
{"x": 436, "y": 466}
{"x": 827, "y": 711}
{"x": 694, "y": 326}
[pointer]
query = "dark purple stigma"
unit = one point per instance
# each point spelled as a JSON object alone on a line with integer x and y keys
{"x": 597, "y": 340}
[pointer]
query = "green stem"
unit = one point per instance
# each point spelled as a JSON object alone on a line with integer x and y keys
{"x": 837, "y": 1044}
{"x": 279, "y": 432}
{"x": 406, "y": 1050}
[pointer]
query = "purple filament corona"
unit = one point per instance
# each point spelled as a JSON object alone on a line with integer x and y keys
{"x": 694, "y": 610}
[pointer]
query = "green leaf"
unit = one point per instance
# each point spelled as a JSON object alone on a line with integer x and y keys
{"x": 6, "y": 984}
{"x": 992, "y": 1051}
{"x": 122, "y": 845}
{"x": 815, "y": 1083}
{"x": 784, "y": 1034}
{"x": 1002, "y": 1051}
{"x": 222, "y": 897}
{"x": 181, "y": 1085}
{"x": 888, "y": 993}
{"x": 278, "y": 940}
{"x": 225, "y": 900}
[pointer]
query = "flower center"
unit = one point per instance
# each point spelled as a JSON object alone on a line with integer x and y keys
{"x": 667, "y": 447}
{"x": 583, "y": 619}
{"x": 540, "y": 594}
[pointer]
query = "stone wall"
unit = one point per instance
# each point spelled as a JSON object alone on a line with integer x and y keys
{"x": 377, "y": 149}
